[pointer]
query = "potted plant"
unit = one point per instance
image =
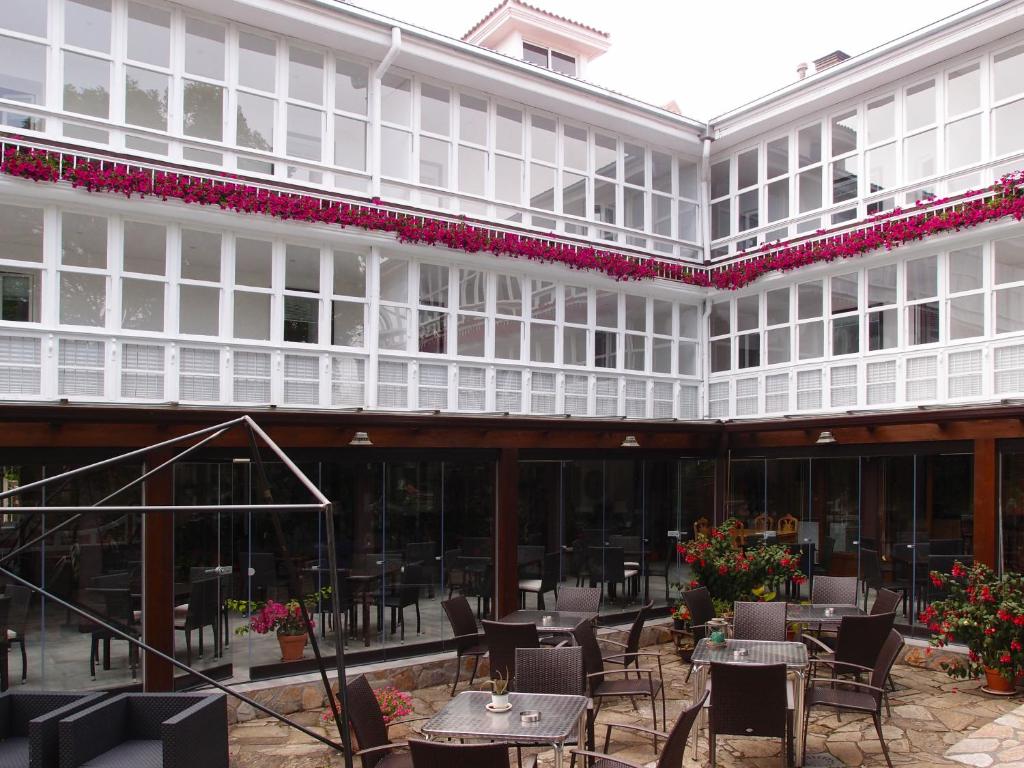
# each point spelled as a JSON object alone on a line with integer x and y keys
{"x": 985, "y": 612}
{"x": 499, "y": 692}
{"x": 393, "y": 704}
{"x": 283, "y": 619}
{"x": 680, "y": 617}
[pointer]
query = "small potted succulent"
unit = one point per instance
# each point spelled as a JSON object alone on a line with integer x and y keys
{"x": 499, "y": 692}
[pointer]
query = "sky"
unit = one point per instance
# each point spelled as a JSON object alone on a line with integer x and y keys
{"x": 710, "y": 57}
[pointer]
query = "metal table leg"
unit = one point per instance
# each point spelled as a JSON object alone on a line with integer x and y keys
{"x": 700, "y": 678}
{"x": 798, "y": 718}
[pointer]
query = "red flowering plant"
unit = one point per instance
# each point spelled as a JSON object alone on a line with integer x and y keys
{"x": 393, "y": 704}
{"x": 734, "y": 573}
{"x": 983, "y": 611}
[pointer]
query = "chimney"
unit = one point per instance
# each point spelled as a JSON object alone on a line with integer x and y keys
{"x": 801, "y": 70}
{"x": 829, "y": 60}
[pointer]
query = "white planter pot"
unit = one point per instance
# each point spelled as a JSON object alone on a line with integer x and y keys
{"x": 499, "y": 702}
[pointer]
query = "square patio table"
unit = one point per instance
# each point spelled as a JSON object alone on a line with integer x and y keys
{"x": 465, "y": 717}
{"x": 793, "y": 655}
{"x": 815, "y": 613}
{"x": 562, "y": 622}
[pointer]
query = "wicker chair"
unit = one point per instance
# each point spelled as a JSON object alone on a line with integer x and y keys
{"x": 28, "y": 725}
{"x": 675, "y": 740}
{"x": 702, "y": 610}
{"x": 438, "y": 754}
{"x": 834, "y": 590}
{"x": 203, "y": 610}
{"x": 578, "y": 600}
{"x": 786, "y": 525}
{"x": 858, "y": 645}
{"x": 375, "y": 747}
{"x": 553, "y": 670}
{"x": 469, "y": 641}
{"x": 865, "y": 698}
{"x": 17, "y": 620}
{"x": 629, "y": 681}
{"x": 631, "y": 653}
{"x": 701, "y": 527}
{"x": 502, "y": 640}
{"x": 173, "y": 730}
{"x": 548, "y": 581}
{"x": 750, "y": 700}
{"x": 759, "y": 621}
{"x": 871, "y": 578}
{"x": 886, "y": 601}
{"x": 406, "y": 592}
{"x": 763, "y": 523}
{"x": 660, "y": 569}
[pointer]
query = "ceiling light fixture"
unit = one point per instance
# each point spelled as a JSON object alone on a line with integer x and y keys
{"x": 360, "y": 438}
{"x": 826, "y": 438}
{"x": 630, "y": 442}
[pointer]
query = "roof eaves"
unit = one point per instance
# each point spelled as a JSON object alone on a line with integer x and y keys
{"x": 549, "y": 14}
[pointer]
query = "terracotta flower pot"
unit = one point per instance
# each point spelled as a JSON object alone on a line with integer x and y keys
{"x": 998, "y": 681}
{"x": 292, "y": 647}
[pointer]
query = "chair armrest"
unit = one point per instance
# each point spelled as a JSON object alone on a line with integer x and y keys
{"x": 472, "y": 636}
{"x": 835, "y": 681}
{"x": 848, "y": 664}
{"x": 629, "y": 727}
{"x": 601, "y": 756}
{"x": 91, "y": 732}
{"x": 613, "y": 642}
{"x": 632, "y": 655}
{"x": 382, "y": 748}
{"x": 409, "y": 720}
{"x": 42, "y": 730}
{"x": 197, "y": 735}
{"x": 810, "y": 639}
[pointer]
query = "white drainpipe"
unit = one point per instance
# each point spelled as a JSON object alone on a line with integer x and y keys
{"x": 375, "y": 136}
{"x": 705, "y": 191}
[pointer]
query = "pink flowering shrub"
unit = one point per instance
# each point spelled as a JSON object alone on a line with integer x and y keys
{"x": 393, "y": 704}
{"x": 272, "y": 616}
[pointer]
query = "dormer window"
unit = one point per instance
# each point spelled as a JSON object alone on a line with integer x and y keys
{"x": 549, "y": 59}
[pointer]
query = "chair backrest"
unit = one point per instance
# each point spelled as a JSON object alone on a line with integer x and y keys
{"x": 477, "y": 546}
{"x": 883, "y": 666}
{"x": 21, "y": 598}
{"x": 637, "y": 627}
{"x": 748, "y": 699}
{"x": 861, "y": 638}
{"x": 787, "y": 524}
{"x": 367, "y": 721}
{"x": 203, "y": 609}
{"x": 460, "y": 616}
{"x": 763, "y": 522}
{"x": 551, "y": 571}
{"x": 834, "y": 590}
{"x": 440, "y": 754}
{"x": 702, "y": 609}
{"x": 828, "y": 546}
{"x": 147, "y": 712}
{"x": 737, "y": 538}
{"x": 759, "y": 621}
{"x": 675, "y": 746}
{"x": 886, "y": 601}
{"x": 608, "y": 564}
{"x": 579, "y": 600}
{"x": 530, "y": 554}
{"x": 593, "y": 661}
{"x": 422, "y": 552}
{"x": 502, "y": 640}
{"x": 701, "y": 527}
{"x": 870, "y": 566}
{"x": 550, "y": 670}
{"x": 412, "y": 582}
{"x": 946, "y": 546}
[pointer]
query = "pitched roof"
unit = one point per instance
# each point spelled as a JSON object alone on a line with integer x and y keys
{"x": 503, "y": 3}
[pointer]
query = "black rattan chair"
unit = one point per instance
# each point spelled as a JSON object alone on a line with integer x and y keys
{"x": 557, "y": 671}
{"x": 469, "y": 641}
{"x": 548, "y": 581}
{"x": 28, "y": 725}
{"x": 865, "y": 697}
{"x": 203, "y": 611}
{"x": 578, "y": 600}
{"x": 660, "y": 569}
{"x": 371, "y": 732}
{"x": 871, "y": 578}
{"x": 886, "y": 601}
{"x": 857, "y": 646}
{"x": 702, "y": 610}
{"x": 631, "y": 653}
{"x": 405, "y": 593}
{"x": 750, "y": 700}
{"x": 834, "y": 590}
{"x": 172, "y": 730}
{"x": 759, "y": 621}
{"x": 503, "y": 638}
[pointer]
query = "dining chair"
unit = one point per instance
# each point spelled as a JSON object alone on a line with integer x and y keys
{"x": 424, "y": 554}
{"x": 202, "y": 611}
{"x": 759, "y": 621}
{"x": 608, "y": 567}
{"x": 675, "y": 740}
{"x": 834, "y": 590}
{"x": 786, "y": 524}
{"x": 548, "y": 581}
{"x": 661, "y": 568}
{"x": 701, "y": 527}
{"x": 631, "y": 653}
{"x": 555, "y": 671}
{"x": 750, "y": 700}
{"x": 502, "y": 640}
{"x": 376, "y": 749}
{"x": 17, "y": 621}
{"x": 579, "y": 600}
{"x": 454, "y": 573}
{"x": 763, "y": 522}
{"x": 886, "y": 601}
{"x": 865, "y": 698}
{"x": 440, "y": 754}
{"x": 469, "y": 641}
{"x": 702, "y": 610}
{"x": 857, "y": 646}
{"x": 405, "y": 593}
{"x": 871, "y": 578}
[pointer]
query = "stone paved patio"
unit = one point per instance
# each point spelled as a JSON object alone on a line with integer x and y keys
{"x": 931, "y": 719}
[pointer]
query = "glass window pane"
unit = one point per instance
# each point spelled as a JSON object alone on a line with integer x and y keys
{"x": 746, "y": 169}
{"x": 920, "y": 105}
{"x": 633, "y": 164}
{"x": 720, "y": 319}
{"x": 472, "y": 119}
{"x": 200, "y": 255}
{"x": 605, "y": 349}
{"x": 255, "y": 122}
{"x": 661, "y": 171}
{"x": 507, "y": 339}
{"x": 720, "y": 179}
{"x": 145, "y": 248}
{"x": 472, "y": 170}
{"x": 747, "y": 313}
{"x": 661, "y": 215}
{"x": 434, "y": 161}
{"x": 350, "y": 86}
{"x": 19, "y": 296}
{"x": 347, "y": 323}
{"x": 576, "y": 304}
{"x": 203, "y": 110}
{"x": 720, "y": 223}
{"x": 257, "y": 62}
{"x": 305, "y": 75}
{"x": 1009, "y": 260}
{"x": 882, "y": 286}
{"x": 844, "y": 293}
{"x": 922, "y": 278}
{"x": 963, "y": 90}
{"x": 83, "y": 299}
{"x": 393, "y": 328}
{"x": 574, "y": 346}
{"x": 846, "y": 335}
{"x": 394, "y": 280}
{"x": 509, "y": 130}
{"x": 633, "y": 208}
{"x": 748, "y": 210}
{"x": 433, "y": 285}
{"x": 636, "y": 313}
{"x": 883, "y": 331}
{"x": 22, "y": 233}
{"x": 28, "y": 16}
{"x": 86, "y": 85}
{"x": 542, "y": 138}
{"x": 808, "y": 300}
{"x": 471, "y": 335}
{"x": 809, "y": 145}
{"x": 302, "y": 268}
{"x": 574, "y": 147}
{"x": 811, "y": 340}
{"x": 305, "y": 132}
{"x": 252, "y": 315}
{"x": 349, "y": 143}
{"x": 149, "y": 34}
{"x": 253, "y": 263}
{"x": 809, "y": 190}
{"x": 777, "y": 157}
{"x": 661, "y": 356}
{"x": 607, "y": 304}
{"x": 919, "y": 155}
{"x": 606, "y": 154}
{"x": 472, "y": 290}
{"x": 396, "y": 153}
{"x": 1008, "y": 73}
{"x": 87, "y": 24}
{"x": 1009, "y": 120}
{"x": 687, "y": 221}
{"x": 778, "y": 306}
{"x": 967, "y": 316}
{"x": 882, "y": 170}
{"x": 604, "y": 201}
{"x": 508, "y": 179}
{"x": 83, "y": 240}
{"x": 778, "y": 200}
{"x": 542, "y": 343}
{"x": 689, "y": 321}
{"x": 881, "y": 120}
{"x": 204, "y": 49}
{"x": 663, "y": 311}
{"x": 777, "y": 342}
{"x": 510, "y": 295}
{"x": 721, "y": 355}
{"x": 542, "y": 187}
{"x": 435, "y": 109}
{"x": 688, "y": 176}
{"x": 965, "y": 269}
{"x": 142, "y": 305}
{"x": 543, "y": 300}
{"x": 563, "y": 63}
{"x": 688, "y": 358}
{"x": 396, "y": 99}
{"x": 349, "y": 274}
{"x": 146, "y": 98}
{"x": 199, "y": 310}
{"x": 1010, "y": 310}
{"x": 844, "y": 180}
{"x": 748, "y": 349}
{"x": 535, "y": 54}
{"x": 844, "y": 133}
{"x": 963, "y": 142}
{"x": 301, "y": 319}
{"x": 634, "y": 352}
{"x": 923, "y": 323}
{"x": 23, "y": 76}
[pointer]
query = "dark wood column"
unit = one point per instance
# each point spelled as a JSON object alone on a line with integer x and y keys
{"x": 986, "y": 500}
{"x": 507, "y": 530}
{"x": 158, "y": 578}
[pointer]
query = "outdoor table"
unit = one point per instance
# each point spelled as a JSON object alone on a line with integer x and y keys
{"x": 562, "y": 622}
{"x": 815, "y": 614}
{"x": 465, "y": 717}
{"x": 793, "y": 655}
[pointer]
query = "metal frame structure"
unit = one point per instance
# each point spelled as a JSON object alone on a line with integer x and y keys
{"x": 256, "y": 439}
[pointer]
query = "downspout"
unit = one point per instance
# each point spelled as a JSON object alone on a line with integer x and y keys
{"x": 705, "y": 192}
{"x": 378, "y": 73}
